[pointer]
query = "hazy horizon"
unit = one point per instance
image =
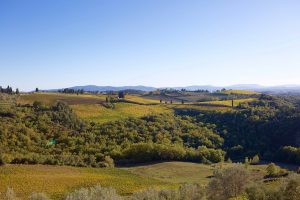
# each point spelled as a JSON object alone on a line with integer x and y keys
{"x": 244, "y": 86}
{"x": 60, "y": 44}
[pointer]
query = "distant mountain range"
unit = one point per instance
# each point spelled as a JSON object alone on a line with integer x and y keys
{"x": 251, "y": 87}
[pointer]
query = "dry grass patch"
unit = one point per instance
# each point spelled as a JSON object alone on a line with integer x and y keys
{"x": 56, "y": 181}
{"x": 176, "y": 172}
{"x": 99, "y": 113}
{"x": 51, "y": 98}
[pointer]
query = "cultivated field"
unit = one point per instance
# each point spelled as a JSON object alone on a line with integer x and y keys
{"x": 51, "y": 98}
{"x": 239, "y": 92}
{"x": 101, "y": 114}
{"x": 236, "y": 102}
{"x": 56, "y": 181}
{"x": 91, "y": 107}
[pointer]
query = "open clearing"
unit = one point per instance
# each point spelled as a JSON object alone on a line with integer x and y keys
{"x": 184, "y": 172}
{"x": 236, "y": 102}
{"x": 51, "y": 98}
{"x": 56, "y": 181}
{"x": 239, "y": 92}
{"x": 176, "y": 172}
{"x": 101, "y": 114}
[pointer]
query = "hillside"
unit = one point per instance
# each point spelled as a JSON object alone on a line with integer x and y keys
{"x": 94, "y": 133}
{"x": 277, "y": 89}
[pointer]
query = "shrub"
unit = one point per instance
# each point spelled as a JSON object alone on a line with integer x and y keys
{"x": 94, "y": 193}
{"x": 256, "y": 192}
{"x": 228, "y": 183}
{"x": 255, "y": 160}
{"x": 292, "y": 188}
{"x": 109, "y": 161}
{"x": 38, "y": 196}
{"x": 2, "y": 162}
{"x": 191, "y": 192}
{"x": 152, "y": 194}
{"x": 272, "y": 169}
{"x": 185, "y": 192}
{"x": 10, "y": 194}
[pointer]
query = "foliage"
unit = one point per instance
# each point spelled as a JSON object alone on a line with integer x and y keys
{"x": 255, "y": 160}
{"x": 38, "y": 196}
{"x": 10, "y": 194}
{"x": 228, "y": 183}
{"x": 94, "y": 193}
{"x": 146, "y": 152}
{"x": 260, "y": 127}
{"x": 288, "y": 154}
{"x": 185, "y": 192}
{"x": 288, "y": 190}
{"x": 275, "y": 171}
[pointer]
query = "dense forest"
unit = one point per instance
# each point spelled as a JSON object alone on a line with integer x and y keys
{"x": 38, "y": 133}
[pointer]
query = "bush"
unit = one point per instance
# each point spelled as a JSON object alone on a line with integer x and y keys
{"x": 256, "y": 192}
{"x": 298, "y": 170}
{"x": 147, "y": 152}
{"x": 94, "y": 193}
{"x": 10, "y": 194}
{"x": 274, "y": 171}
{"x": 152, "y": 194}
{"x": 228, "y": 183}
{"x": 292, "y": 188}
{"x": 185, "y": 192}
{"x": 38, "y": 196}
{"x": 109, "y": 161}
{"x": 255, "y": 160}
{"x": 191, "y": 192}
{"x": 2, "y": 162}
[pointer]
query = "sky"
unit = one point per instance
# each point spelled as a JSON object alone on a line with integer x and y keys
{"x": 62, "y": 43}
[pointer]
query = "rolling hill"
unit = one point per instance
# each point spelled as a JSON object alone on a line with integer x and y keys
{"x": 250, "y": 87}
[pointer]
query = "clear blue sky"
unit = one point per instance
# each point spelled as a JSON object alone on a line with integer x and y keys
{"x": 62, "y": 43}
